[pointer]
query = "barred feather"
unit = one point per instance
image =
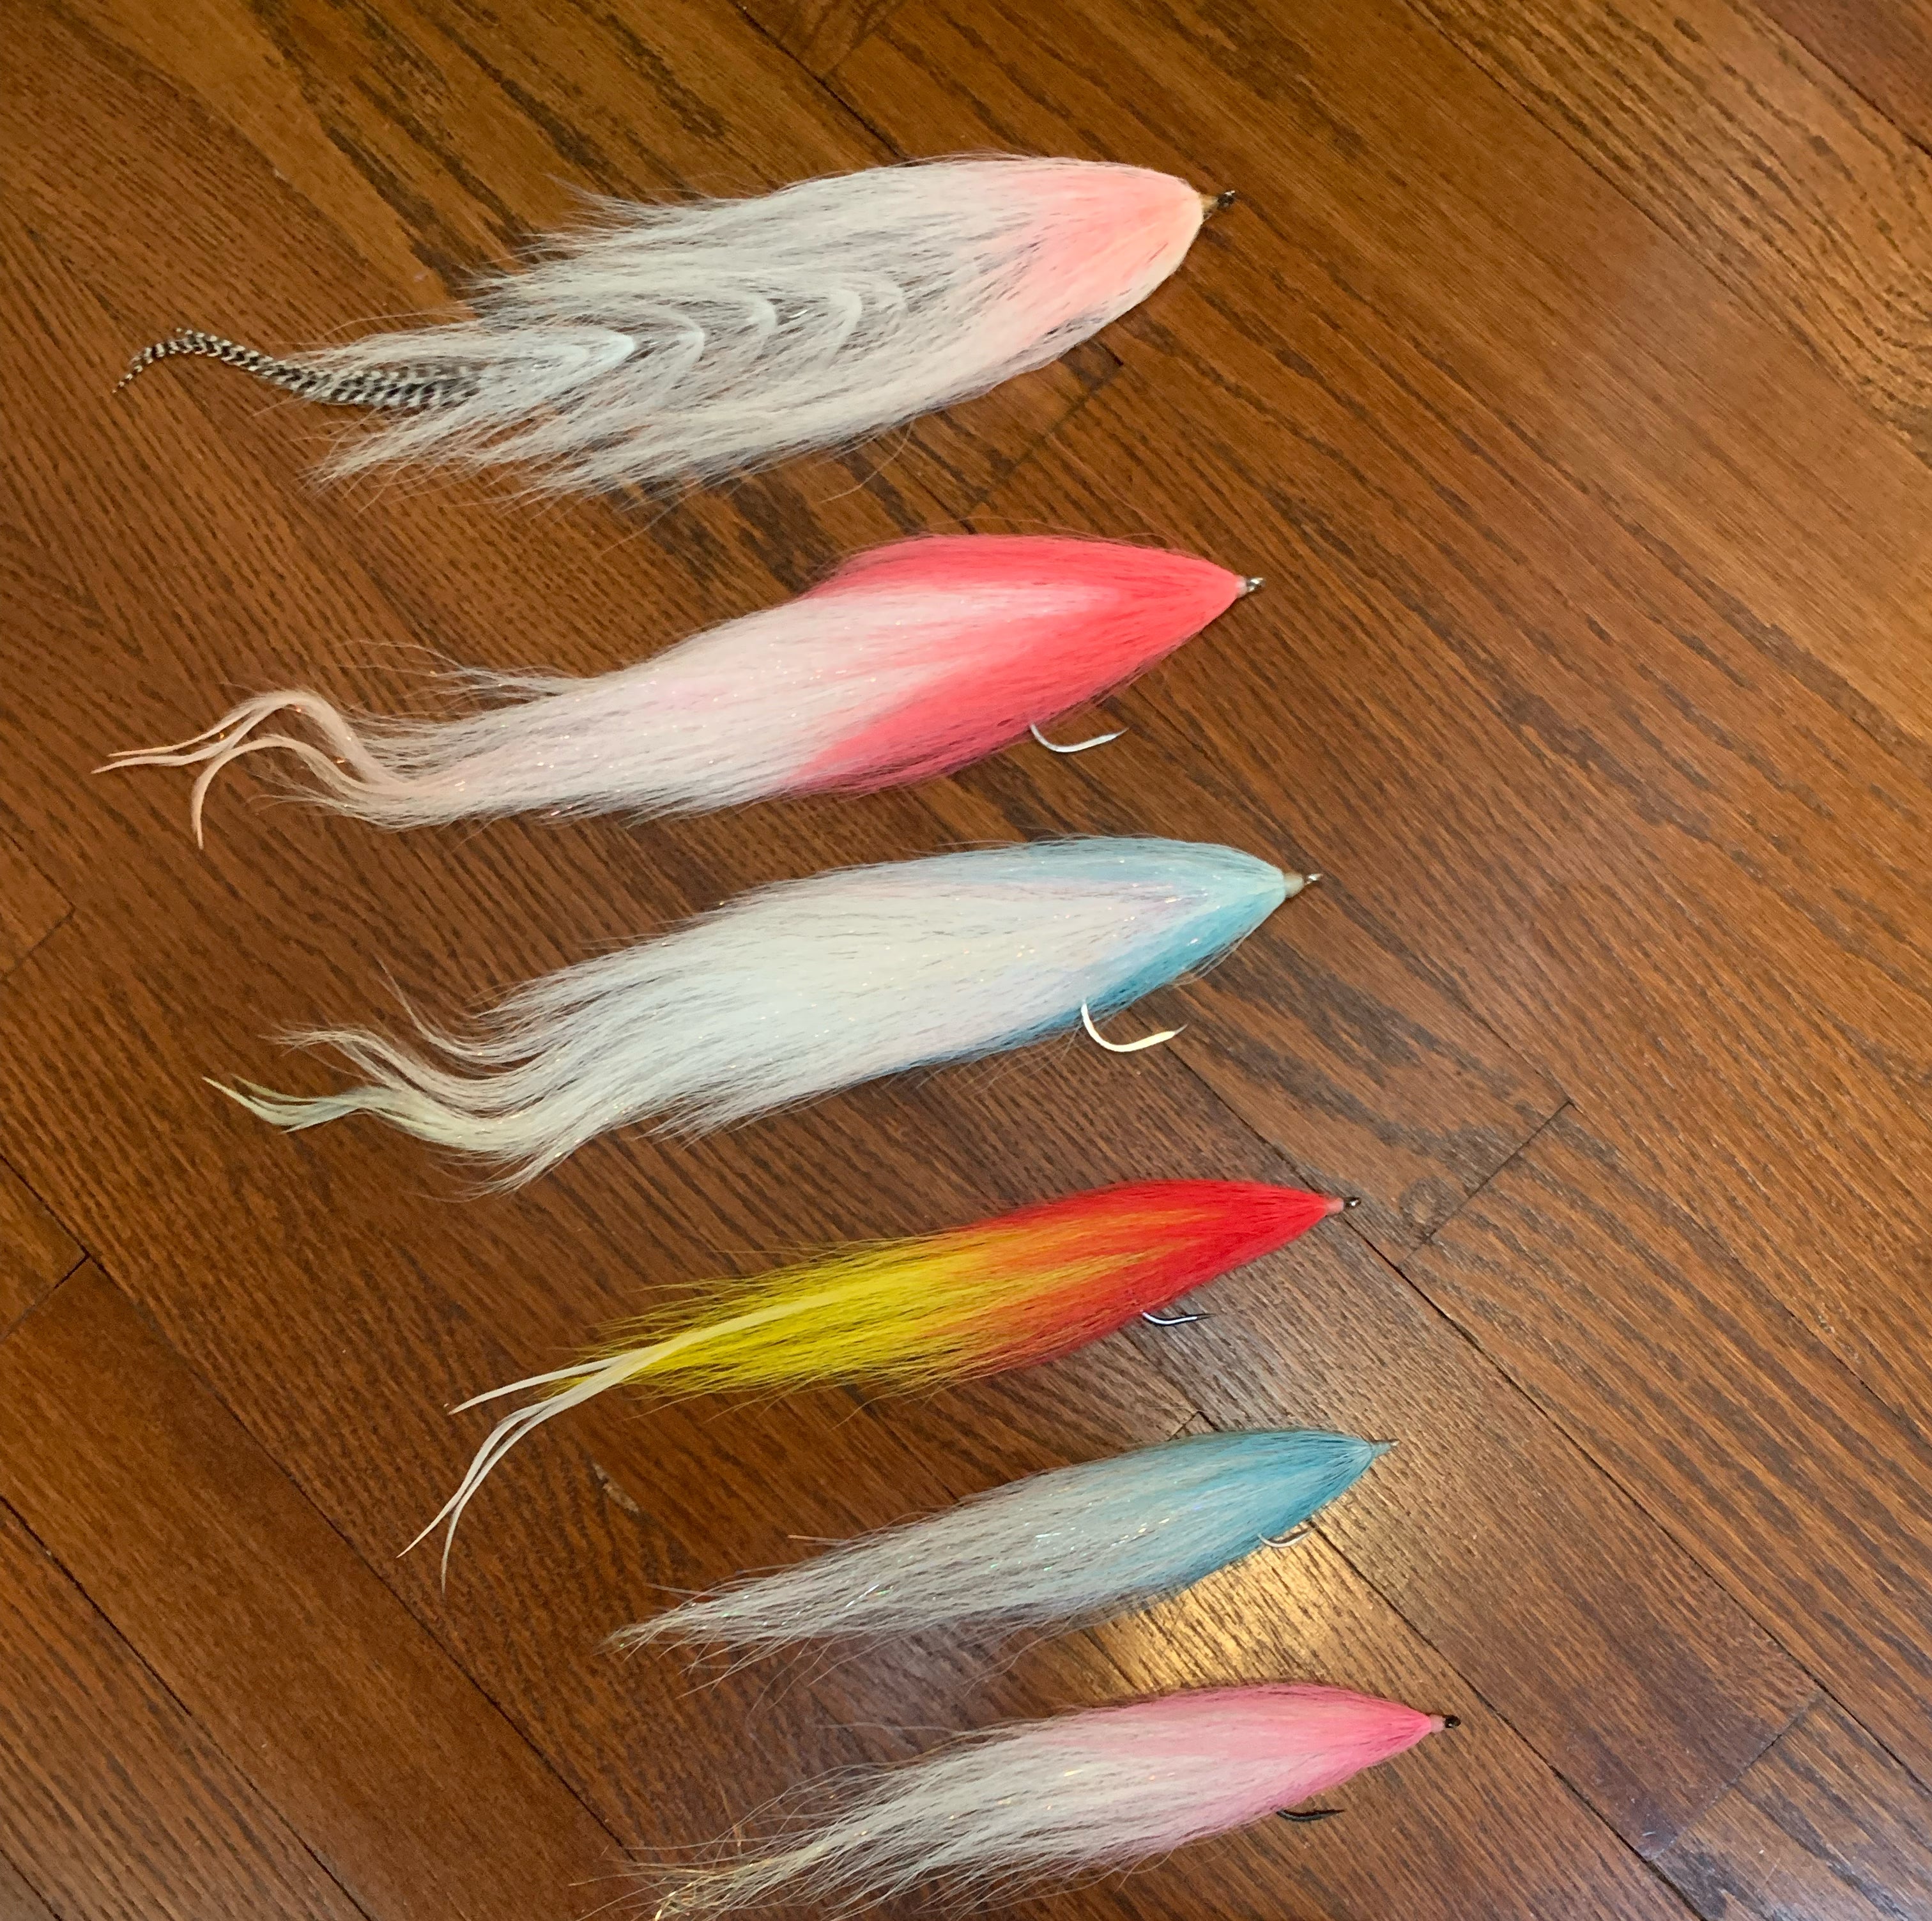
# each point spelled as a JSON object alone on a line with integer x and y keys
{"x": 666, "y": 343}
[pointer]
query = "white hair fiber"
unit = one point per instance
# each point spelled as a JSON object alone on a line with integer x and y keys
{"x": 1077, "y": 1545}
{"x": 913, "y": 659}
{"x": 806, "y": 987}
{"x": 994, "y": 1815}
{"x": 682, "y": 341}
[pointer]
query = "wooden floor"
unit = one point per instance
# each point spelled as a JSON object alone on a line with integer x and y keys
{"x": 1567, "y": 370}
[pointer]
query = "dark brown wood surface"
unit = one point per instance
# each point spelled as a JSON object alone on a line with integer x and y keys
{"x": 1564, "y": 369}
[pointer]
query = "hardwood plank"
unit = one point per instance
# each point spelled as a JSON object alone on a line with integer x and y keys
{"x": 36, "y": 1252}
{"x": 114, "y": 1802}
{"x": 18, "y": 1901}
{"x": 1381, "y": 166}
{"x": 305, "y": 1283}
{"x": 1463, "y": 1110}
{"x": 1402, "y": 1843}
{"x": 1695, "y": 1693}
{"x": 1646, "y": 1696}
{"x": 346, "y": 1289}
{"x": 1752, "y": 155}
{"x": 1675, "y": 912}
{"x": 266, "y": 1627}
{"x": 31, "y": 906}
{"x": 1826, "y": 1825}
{"x": 1450, "y": 598}
{"x": 1885, "y": 52}
{"x": 1666, "y": 1357}
{"x": 1329, "y": 1034}
{"x": 819, "y": 33}
{"x": 1635, "y": 886}
{"x": 327, "y": 1290}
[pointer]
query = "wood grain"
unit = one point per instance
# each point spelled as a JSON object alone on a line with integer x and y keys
{"x": 1592, "y": 669}
{"x": 1884, "y": 53}
{"x": 18, "y": 1901}
{"x": 1594, "y": 1674}
{"x": 1762, "y": 164}
{"x": 36, "y": 1252}
{"x": 1374, "y": 155}
{"x": 1656, "y": 787}
{"x": 1293, "y": 1613}
{"x": 114, "y": 1802}
{"x": 261, "y": 1621}
{"x": 1739, "y": 1433}
{"x": 1826, "y": 1825}
{"x": 1686, "y": 846}
{"x": 819, "y": 33}
{"x": 30, "y": 907}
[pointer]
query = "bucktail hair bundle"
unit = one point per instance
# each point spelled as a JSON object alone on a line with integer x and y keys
{"x": 661, "y": 344}
{"x": 994, "y": 1815}
{"x": 912, "y": 660}
{"x": 1008, "y": 1293}
{"x": 801, "y": 988}
{"x": 1074, "y": 1546}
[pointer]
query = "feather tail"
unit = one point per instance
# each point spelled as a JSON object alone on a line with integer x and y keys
{"x": 912, "y": 660}
{"x": 659, "y": 345}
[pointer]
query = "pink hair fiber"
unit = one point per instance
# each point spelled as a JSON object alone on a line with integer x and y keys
{"x": 995, "y": 1813}
{"x": 912, "y": 660}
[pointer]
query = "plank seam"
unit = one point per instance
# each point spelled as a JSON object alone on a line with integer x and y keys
{"x": 1688, "y": 1545}
{"x": 1456, "y": 1213}
{"x": 139, "y": 1307}
{"x": 237, "y": 1762}
{"x": 1796, "y": 42}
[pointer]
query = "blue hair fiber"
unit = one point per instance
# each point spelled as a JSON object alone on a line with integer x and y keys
{"x": 802, "y": 988}
{"x": 1077, "y": 1545}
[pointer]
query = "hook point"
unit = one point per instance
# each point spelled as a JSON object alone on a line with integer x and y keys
{"x": 1122, "y": 1047}
{"x": 1075, "y": 747}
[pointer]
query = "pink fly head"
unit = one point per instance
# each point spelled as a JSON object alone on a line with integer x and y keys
{"x": 1010, "y": 630}
{"x": 1106, "y": 237}
{"x": 1251, "y": 1751}
{"x": 1085, "y": 615}
{"x": 1334, "y": 1732}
